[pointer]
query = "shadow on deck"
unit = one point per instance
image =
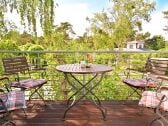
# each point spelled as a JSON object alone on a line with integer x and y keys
{"x": 84, "y": 114}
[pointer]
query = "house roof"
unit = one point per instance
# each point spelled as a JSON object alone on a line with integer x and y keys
{"x": 140, "y": 42}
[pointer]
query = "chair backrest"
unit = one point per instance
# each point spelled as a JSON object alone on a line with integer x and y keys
{"x": 15, "y": 65}
{"x": 158, "y": 66}
{"x": 155, "y": 66}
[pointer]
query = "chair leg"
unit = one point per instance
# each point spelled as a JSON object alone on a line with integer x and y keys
{"x": 36, "y": 92}
{"x": 41, "y": 98}
{"x": 5, "y": 120}
{"x": 162, "y": 116}
{"x": 156, "y": 122}
{"x": 9, "y": 123}
{"x": 161, "y": 120}
{"x": 24, "y": 113}
{"x": 135, "y": 91}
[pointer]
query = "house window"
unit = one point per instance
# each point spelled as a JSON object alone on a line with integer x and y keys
{"x": 131, "y": 46}
{"x": 140, "y": 46}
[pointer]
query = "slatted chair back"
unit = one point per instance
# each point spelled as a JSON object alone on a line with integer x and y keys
{"x": 158, "y": 66}
{"x": 154, "y": 66}
{"x": 16, "y": 66}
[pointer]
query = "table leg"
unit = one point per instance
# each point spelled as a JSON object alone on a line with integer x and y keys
{"x": 85, "y": 93}
{"x": 87, "y": 83}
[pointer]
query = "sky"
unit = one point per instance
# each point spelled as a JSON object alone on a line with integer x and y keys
{"x": 157, "y": 23}
{"x": 76, "y": 11}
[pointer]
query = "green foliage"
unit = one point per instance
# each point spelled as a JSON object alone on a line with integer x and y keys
{"x": 35, "y": 48}
{"x": 141, "y": 36}
{"x": 108, "y": 29}
{"x": 28, "y": 11}
{"x": 122, "y": 20}
{"x": 8, "y": 45}
{"x": 164, "y": 55}
{"x": 25, "y": 38}
{"x": 156, "y": 42}
{"x": 26, "y": 47}
{"x": 12, "y": 35}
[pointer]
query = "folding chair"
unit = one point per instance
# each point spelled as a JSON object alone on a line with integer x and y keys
{"x": 140, "y": 85}
{"x": 149, "y": 77}
{"x": 9, "y": 102}
{"x": 158, "y": 101}
{"x": 17, "y": 66}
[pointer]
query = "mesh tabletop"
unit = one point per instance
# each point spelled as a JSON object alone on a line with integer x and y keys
{"x": 76, "y": 68}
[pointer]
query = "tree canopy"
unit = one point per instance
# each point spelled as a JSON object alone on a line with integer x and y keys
{"x": 156, "y": 42}
{"x": 108, "y": 29}
{"x": 31, "y": 12}
{"x": 123, "y": 19}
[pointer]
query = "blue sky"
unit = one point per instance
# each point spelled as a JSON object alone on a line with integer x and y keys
{"x": 161, "y": 3}
{"x": 76, "y": 11}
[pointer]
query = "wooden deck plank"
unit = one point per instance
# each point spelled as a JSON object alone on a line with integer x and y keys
{"x": 84, "y": 114}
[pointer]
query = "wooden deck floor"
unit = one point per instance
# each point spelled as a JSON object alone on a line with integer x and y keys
{"x": 84, "y": 114}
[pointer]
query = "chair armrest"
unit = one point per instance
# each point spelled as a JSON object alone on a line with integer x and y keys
{"x": 1, "y": 90}
{"x": 6, "y": 84}
{"x": 164, "y": 87}
{"x": 162, "y": 99}
{"x": 4, "y": 78}
{"x": 163, "y": 77}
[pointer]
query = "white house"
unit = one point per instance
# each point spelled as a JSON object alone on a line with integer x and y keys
{"x": 135, "y": 45}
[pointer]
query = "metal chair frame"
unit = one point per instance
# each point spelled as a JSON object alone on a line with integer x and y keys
{"x": 5, "y": 115}
{"x": 162, "y": 115}
{"x": 148, "y": 74}
{"x": 17, "y": 66}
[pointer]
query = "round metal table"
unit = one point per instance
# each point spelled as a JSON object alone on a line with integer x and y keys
{"x": 84, "y": 86}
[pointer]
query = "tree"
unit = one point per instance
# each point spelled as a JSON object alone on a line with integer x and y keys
{"x": 30, "y": 11}
{"x": 156, "y": 42}
{"x": 25, "y": 38}
{"x": 141, "y": 36}
{"x": 12, "y": 35}
{"x": 60, "y": 37}
{"x": 122, "y": 20}
{"x": 35, "y": 47}
{"x": 8, "y": 45}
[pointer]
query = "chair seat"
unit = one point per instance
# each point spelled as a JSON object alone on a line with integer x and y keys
{"x": 151, "y": 99}
{"x": 29, "y": 83}
{"x": 13, "y": 100}
{"x": 139, "y": 83}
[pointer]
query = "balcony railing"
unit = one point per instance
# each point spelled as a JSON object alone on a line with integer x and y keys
{"x": 44, "y": 62}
